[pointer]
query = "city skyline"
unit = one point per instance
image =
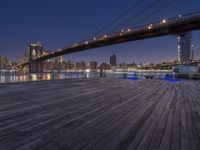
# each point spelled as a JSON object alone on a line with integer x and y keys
{"x": 21, "y": 30}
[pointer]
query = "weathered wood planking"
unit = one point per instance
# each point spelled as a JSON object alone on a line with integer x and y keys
{"x": 100, "y": 114}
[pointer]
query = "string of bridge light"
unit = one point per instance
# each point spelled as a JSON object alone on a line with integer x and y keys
{"x": 125, "y": 31}
{"x": 163, "y": 22}
{"x": 121, "y": 33}
{"x": 117, "y": 19}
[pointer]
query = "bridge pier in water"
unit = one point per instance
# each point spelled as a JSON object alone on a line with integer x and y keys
{"x": 36, "y": 67}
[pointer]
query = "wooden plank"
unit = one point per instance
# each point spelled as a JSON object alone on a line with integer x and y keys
{"x": 100, "y": 113}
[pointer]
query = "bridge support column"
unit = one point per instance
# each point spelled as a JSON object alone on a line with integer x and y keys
{"x": 30, "y": 61}
{"x": 59, "y": 67}
{"x": 35, "y": 67}
{"x": 39, "y": 67}
{"x": 35, "y": 51}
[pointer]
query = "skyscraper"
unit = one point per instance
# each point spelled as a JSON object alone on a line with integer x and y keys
{"x": 93, "y": 65}
{"x": 113, "y": 60}
{"x": 185, "y": 48}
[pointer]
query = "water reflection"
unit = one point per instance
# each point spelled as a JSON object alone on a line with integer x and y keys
{"x": 7, "y": 78}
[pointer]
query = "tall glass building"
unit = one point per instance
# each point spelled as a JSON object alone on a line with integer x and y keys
{"x": 113, "y": 60}
{"x": 185, "y": 48}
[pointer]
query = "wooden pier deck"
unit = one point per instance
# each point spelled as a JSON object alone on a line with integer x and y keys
{"x": 100, "y": 114}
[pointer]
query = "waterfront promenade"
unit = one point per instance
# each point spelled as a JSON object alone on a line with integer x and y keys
{"x": 100, "y": 114}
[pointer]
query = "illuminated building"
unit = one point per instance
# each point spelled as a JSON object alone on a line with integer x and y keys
{"x": 70, "y": 65}
{"x": 185, "y": 48}
{"x": 3, "y": 60}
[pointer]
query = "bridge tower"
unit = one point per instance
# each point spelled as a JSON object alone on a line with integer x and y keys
{"x": 35, "y": 51}
{"x": 185, "y": 48}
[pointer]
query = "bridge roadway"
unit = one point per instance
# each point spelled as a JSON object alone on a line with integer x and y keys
{"x": 100, "y": 114}
{"x": 171, "y": 26}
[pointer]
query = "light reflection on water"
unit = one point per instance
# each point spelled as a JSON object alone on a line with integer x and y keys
{"x": 8, "y": 78}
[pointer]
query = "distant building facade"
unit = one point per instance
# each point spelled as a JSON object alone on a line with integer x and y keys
{"x": 93, "y": 65}
{"x": 80, "y": 65}
{"x": 48, "y": 66}
{"x": 113, "y": 60}
{"x": 105, "y": 66}
{"x": 70, "y": 65}
{"x": 3, "y": 60}
{"x": 185, "y": 48}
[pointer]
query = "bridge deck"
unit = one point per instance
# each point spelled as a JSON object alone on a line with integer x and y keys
{"x": 102, "y": 114}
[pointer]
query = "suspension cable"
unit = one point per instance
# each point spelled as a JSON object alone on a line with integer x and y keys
{"x": 155, "y": 12}
{"x": 140, "y": 13}
{"x": 117, "y": 18}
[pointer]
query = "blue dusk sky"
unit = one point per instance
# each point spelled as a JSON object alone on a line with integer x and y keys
{"x": 58, "y": 23}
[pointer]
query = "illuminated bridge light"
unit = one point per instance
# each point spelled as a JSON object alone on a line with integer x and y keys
{"x": 129, "y": 30}
{"x": 94, "y": 38}
{"x": 75, "y": 45}
{"x": 122, "y": 31}
{"x": 149, "y": 27}
{"x": 86, "y": 42}
{"x": 105, "y": 36}
{"x": 164, "y": 21}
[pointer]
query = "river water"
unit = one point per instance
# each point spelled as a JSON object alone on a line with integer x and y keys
{"x": 10, "y": 77}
